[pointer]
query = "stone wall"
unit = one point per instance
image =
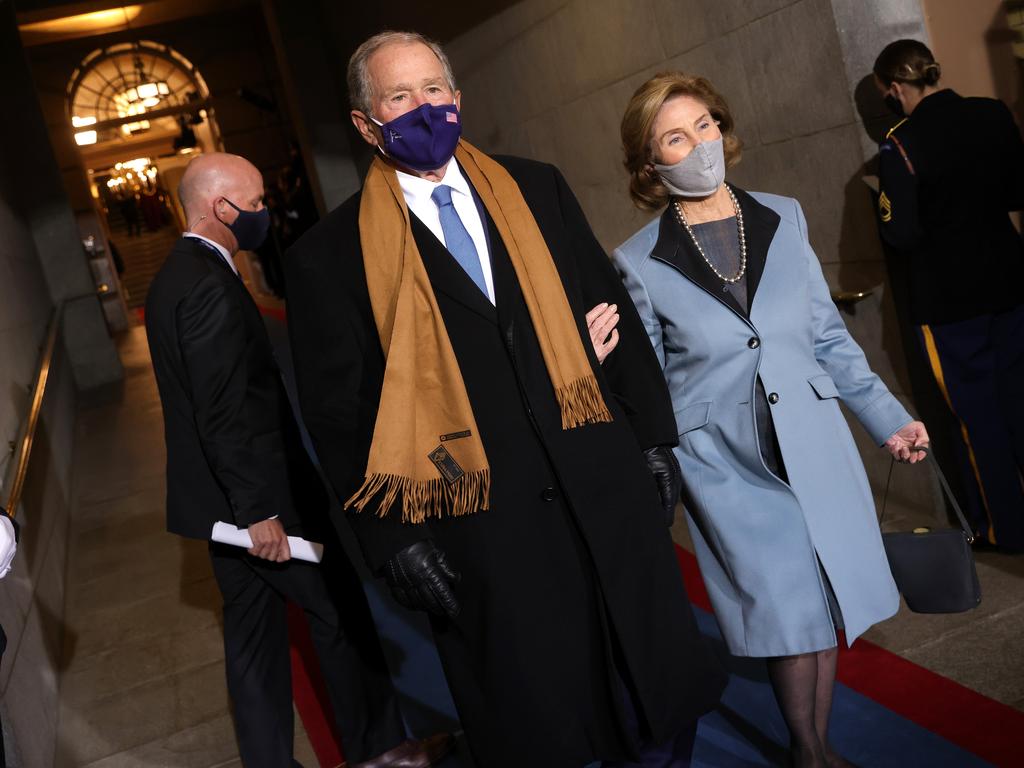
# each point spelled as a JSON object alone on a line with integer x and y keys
{"x": 32, "y": 594}
{"x": 549, "y": 79}
{"x": 41, "y": 263}
{"x": 50, "y": 237}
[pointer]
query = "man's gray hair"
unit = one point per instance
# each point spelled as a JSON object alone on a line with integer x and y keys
{"x": 360, "y": 87}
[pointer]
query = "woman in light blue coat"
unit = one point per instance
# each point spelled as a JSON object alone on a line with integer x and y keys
{"x": 757, "y": 360}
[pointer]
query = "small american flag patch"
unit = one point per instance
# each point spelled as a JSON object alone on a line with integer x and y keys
{"x": 451, "y": 117}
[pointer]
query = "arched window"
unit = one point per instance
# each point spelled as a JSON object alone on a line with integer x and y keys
{"x": 130, "y": 88}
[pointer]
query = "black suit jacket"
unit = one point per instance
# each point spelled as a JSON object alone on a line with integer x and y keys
{"x": 234, "y": 451}
{"x": 949, "y": 174}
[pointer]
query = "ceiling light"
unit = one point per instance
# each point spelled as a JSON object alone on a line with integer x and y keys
{"x": 84, "y": 22}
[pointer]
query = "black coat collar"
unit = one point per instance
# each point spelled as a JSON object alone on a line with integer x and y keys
{"x": 675, "y": 247}
{"x": 935, "y": 104}
{"x": 210, "y": 252}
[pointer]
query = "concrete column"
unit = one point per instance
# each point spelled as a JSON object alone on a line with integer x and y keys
{"x": 43, "y": 205}
{"x": 313, "y": 77}
{"x": 864, "y": 28}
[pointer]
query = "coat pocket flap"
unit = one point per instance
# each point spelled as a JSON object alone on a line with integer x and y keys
{"x": 692, "y": 417}
{"x": 823, "y": 386}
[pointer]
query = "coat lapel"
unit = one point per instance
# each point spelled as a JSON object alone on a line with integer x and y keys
{"x": 507, "y": 293}
{"x": 446, "y": 275}
{"x": 675, "y": 248}
{"x": 760, "y": 224}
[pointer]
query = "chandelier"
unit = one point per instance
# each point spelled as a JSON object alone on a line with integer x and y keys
{"x": 122, "y": 84}
{"x": 138, "y": 175}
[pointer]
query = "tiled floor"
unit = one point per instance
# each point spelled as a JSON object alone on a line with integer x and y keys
{"x": 143, "y": 679}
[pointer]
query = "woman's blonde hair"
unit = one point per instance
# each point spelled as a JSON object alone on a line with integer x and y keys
{"x": 645, "y": 185}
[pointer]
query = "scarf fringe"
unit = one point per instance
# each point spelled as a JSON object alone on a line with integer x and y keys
{"x": 581, "y": 403}
{"x": 423, "y": 499}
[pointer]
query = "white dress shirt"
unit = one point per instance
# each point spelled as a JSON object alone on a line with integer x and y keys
{"x": 220, "y": 249}
{"x": 417, "y": 192}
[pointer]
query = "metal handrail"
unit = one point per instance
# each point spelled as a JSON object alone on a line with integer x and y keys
{"x": 22, "y": 448}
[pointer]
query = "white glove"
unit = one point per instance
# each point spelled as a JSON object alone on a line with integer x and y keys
{"x": 8, "y": 546}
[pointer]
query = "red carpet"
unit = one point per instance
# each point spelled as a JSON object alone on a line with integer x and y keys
{"x": 978, "y": 724}
{"x": 310, "y": 694}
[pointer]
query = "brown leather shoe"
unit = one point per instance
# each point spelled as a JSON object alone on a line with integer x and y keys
{"x": 414, "y": 753}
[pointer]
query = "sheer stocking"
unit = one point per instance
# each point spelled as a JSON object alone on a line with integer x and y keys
{"x": 795, "y": 682}
{"x": 823, "y": 705}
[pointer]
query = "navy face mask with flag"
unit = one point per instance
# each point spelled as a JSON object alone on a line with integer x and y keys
{"x": 423, "y": 139}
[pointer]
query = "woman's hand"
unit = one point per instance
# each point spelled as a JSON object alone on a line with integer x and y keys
{"x": 601, "y": 322}
{"x": 902, "y": 444}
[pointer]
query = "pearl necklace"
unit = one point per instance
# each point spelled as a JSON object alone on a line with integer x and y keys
{"x": 742, "y": 234}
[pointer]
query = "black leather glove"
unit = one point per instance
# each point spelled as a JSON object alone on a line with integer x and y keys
{"x": 421, "y": 579}
{"x": 668, "y": 476}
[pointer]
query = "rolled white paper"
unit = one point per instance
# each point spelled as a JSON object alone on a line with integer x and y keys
{"x": 225, "y": 533}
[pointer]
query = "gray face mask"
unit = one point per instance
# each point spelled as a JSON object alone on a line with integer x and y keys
{"x": 698, "y": 174}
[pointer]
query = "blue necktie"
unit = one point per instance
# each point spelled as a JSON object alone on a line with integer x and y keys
{"x": 456, "y": 238}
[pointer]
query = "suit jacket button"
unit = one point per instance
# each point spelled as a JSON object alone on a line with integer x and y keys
{"x": 548, "y": 494}
{"x": 773, "y": 398}
{"x": 753, "y": 342}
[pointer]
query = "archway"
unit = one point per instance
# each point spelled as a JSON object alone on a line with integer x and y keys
{"x": 139, "y": 111}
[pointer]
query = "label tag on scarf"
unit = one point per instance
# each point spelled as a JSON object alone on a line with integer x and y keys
{"x": 446, "y": 465}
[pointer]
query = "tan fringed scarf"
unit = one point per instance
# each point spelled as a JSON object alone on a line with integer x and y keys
{"x": 426, "y": 446}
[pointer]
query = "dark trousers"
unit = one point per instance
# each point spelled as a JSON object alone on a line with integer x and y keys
{"x": 258, "y": 664}
{"x": 979, "y": 366}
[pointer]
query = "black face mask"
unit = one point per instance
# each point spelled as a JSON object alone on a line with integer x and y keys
{"x": 894, "y": 105}
{"x": 249, "y": 227}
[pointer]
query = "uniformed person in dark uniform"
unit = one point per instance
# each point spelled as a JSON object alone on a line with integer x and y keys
{"x": 950, "y": 171}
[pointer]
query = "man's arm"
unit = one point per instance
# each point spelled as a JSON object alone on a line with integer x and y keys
{"x": 631, "y": 369}
{"x": 250, "y": 467}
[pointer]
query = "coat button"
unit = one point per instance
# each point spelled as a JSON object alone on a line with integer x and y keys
{"x": 753, "y": 342}
{"x": 773, "y": 398}
{"x": 548, "y": 494}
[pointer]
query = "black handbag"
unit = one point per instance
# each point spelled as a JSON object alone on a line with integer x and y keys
{"x": 934, "y": 569}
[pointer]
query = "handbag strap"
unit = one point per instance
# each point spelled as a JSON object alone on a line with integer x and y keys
{"x": 945, "y": 487}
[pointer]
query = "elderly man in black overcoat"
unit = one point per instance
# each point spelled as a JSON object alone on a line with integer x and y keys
{"x": 556, "y": 600}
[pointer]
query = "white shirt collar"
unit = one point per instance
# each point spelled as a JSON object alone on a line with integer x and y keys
{"x": 419, "y": 188}
{"x": 220, "y": 249}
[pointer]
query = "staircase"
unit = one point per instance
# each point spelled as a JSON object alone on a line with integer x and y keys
{"x": 143, "y": 254}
